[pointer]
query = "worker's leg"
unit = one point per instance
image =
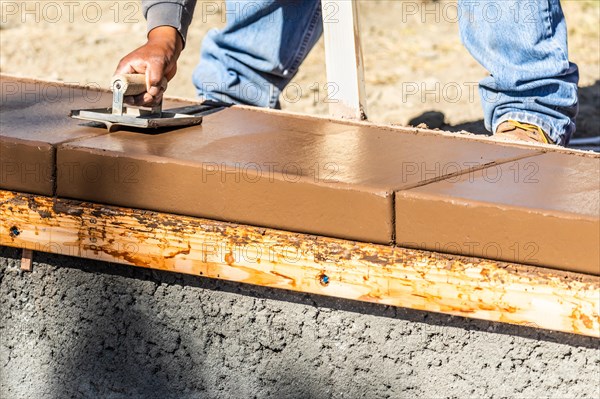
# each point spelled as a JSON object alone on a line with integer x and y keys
{"x": 523, "y": 44}
{"x": 259, "y": 51}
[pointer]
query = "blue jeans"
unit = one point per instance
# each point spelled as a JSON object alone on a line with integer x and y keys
{"x": 523, "y": 44}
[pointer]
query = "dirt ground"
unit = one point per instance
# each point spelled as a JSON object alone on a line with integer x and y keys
{"x": 407, "y": 45}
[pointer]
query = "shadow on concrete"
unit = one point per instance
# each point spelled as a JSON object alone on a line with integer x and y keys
{"x": 108, "y": 344}
{"x": 101, "y": 346}
{"x": 588, "y": 120}
{"x": 160, "y": 277}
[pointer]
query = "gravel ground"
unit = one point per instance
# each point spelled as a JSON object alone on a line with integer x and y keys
{"x": 81, "y": 329}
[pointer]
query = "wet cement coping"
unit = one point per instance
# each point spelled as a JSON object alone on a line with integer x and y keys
{"x": 34, "y": 122}
{"x": 542, "y": 210}
{"x": 312, "y": 175}
{"x": 272, "y": 170}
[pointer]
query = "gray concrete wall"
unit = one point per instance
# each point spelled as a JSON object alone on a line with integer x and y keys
{"x": 84, "y": 329}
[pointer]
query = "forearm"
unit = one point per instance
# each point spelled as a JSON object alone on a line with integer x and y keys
{"x": 175, "y": 13}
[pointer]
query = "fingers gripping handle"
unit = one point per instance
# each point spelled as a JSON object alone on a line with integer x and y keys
{"x": 133, "y": 84}
{"x": 130, "y": 85}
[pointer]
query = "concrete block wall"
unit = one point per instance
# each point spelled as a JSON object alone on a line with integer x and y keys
{"x": 76, "y": 328}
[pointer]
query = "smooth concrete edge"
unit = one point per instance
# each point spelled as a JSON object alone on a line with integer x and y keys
{"x": 330, "y": 218}
{"x": 555, "y": 240}
{"x": 389, "y": 127}
{"x": 470, "y": 171}
{"x": 431, "y": 132}
{"x": 27, "y": 166}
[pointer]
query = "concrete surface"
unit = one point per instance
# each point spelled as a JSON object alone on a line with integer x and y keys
{"x": 542, "y": 210}
{"x": 288, "y": 172}
{"x": 83, "y": 329}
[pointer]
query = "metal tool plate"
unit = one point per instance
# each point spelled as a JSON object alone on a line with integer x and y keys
{"x": 184, "y": 116}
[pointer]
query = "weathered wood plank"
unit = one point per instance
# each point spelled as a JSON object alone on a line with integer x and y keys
{"x": 413, "y": 279}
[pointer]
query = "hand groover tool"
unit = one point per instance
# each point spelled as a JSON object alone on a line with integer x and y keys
{"x": 122, "y": 114}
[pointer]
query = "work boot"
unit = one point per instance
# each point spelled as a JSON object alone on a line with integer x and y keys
{"x": 515, "y": 130}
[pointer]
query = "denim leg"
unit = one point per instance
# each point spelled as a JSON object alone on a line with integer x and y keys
{"x": 523, "y": 44}
{"x": 258, "y": 52}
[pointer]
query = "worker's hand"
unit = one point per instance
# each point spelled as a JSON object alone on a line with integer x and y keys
{"x": 156, "y": 59}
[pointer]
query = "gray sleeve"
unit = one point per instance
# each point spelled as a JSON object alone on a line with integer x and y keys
{"x": 175, "y": 13}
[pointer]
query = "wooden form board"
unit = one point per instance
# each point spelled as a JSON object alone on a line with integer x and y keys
{"x": 422, "y": 280}
{"x": 344, "y": 60}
